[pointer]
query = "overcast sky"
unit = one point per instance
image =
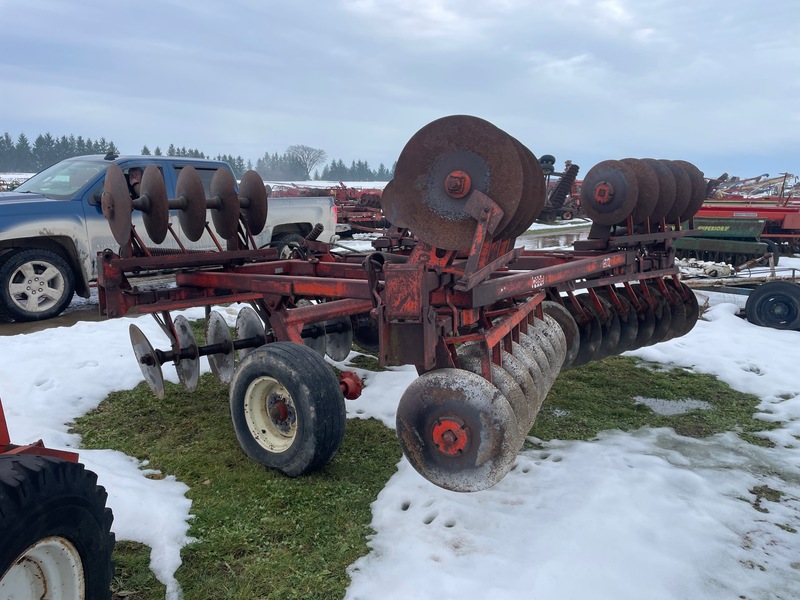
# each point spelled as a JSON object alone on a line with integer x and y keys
{"x": 715, "y": 82}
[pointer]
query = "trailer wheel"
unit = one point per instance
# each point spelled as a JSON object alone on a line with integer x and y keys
{"x": 775, "y": 304}
{"x": 56, "y": 530}
{"x": 35, "y": 284}
{"x": 287, "y": 408}
{"x": 289, "y": 245}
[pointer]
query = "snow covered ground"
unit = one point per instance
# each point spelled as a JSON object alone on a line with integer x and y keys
{"x": 646, "y": 514}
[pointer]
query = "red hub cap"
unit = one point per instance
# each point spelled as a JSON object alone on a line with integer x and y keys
{"x": 450, "y": 436}
{"x": 603, "y": 192}
{"x": 458, "y": 184}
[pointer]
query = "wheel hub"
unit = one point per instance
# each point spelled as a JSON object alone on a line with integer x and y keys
{"x": 280, "y": 412}
{"x": 451, "y": 436}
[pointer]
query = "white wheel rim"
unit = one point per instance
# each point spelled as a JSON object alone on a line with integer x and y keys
{"x": 51, "y": 568}
{"x": 36, "y": 286}
{"x": 270, "y": 414}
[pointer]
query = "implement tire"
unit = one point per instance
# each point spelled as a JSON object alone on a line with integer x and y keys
{"x": 287, "y": 408}
{"x": 774, "y": 304}
{"x": 55, "y": 528}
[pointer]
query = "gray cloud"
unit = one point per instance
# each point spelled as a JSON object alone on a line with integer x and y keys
{"x": 715, "y": 82}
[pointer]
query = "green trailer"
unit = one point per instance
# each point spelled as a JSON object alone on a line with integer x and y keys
{"x": 733, "y": 241}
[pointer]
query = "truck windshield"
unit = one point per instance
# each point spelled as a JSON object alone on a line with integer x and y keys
{"x": 62, "y": 180}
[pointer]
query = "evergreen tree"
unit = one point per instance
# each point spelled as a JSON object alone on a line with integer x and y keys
{"x": 6, "y": 152}
{"x": 145, "y": 150}
{"x": 171, "y": 150}
{"x": 23, "y": 155}
{"x": 157, "y": 151}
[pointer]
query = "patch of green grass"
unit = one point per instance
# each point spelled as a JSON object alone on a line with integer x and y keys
{"x": 600, "y": 395}
{"x": 366, "y": 361}
{"x": 260, "y": 534}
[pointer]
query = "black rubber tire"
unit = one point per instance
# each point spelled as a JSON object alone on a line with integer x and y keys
{"x": 43, "y": 497}
{"x": 287, "y": 245}
{"x": 774, "y": 249}
{"x": 37, "y": 259}
{"x": 775, "y": 304}
{"x": 315, "y": 397}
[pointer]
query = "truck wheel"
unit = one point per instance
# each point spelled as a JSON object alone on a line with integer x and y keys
{"x": 287, "y": 408}
{"x": 56, "y": 530}
{"x": 35, "y": 284}
{"x": 775, "y": 304}
{"x": 287, "y": 245}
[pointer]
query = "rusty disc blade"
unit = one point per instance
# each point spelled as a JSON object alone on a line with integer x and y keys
{"x": 154, "y": 204}
{"x": 117, "y": 205}
{"x": 338, "y": 344}
{"x": 533, "y": 193}
{"x": 591, "y": 333}
{"x": 539, "y": 391}
{"x": 646, "y": 316}
{"x": 388, "y": 204}
{"x": 628, "y": 321}
{"x": 692, "y": 308}
{"x": 548, "y": 370}
{"x": 431, "y": 191}
{"x": 191, "y": 203}
{"x": 647, "y": 182}
{"x": 698, "y": 183}
{"x": 188, "y": 368}
{"x": 609, "y": 192}
{"x": 568, "y": 326}
{"x": 683, "y": 190}
{"x": 666, "y": 189}
{"x": 249, "y": 327}
{"x": 663, "y": 315}
{"x": 224, "y": 204}
{"x": 609, "y": 325}
{"x": 218, "y": 333}
{"x": 253, "y": 198}
{"x": 457, "y": 430}
{"x": 677, "y": 311}
{"x": 148, "y": 363}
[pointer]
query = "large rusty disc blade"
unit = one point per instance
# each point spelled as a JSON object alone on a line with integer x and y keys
{"x": 628, "y": 321}
{"x": 224, "y": 204}
{"x": 546, "y": 368}
{"x": 469, "y": 358}
{"x": 683, "y": 190}
{"x": 609, "y": 192}
{"x": 319, "y": 341}
{"x": 117, "y": 204}
{"x": 647, "y": 182}
{"x": 533, "y": 193}
{"x": 253, "y": 198}
{"x": 666, "y": 189}
{"x": 249, "y": 327}
{"x": 646, "y": 316}
{"x": 539, "y": 391}
{"x": 677, "y": 310}
{"x": 439, "y": 169}
{"x": 188, "y": 368}
{"x": 609, "y": 325}
{"x": 591, "y": 333}
{"x": 148, "y": 363}
{"x": 457, "y": 430}
{"x": 692, "y": 308}
{"x": 663, "y": 315}
{"x": 218, "y": 333}
{"x": 191, "y": 195}
{"x": 550, "y": 329}
{"x": 568, "y": 326}
{"x": 154, "y": 204}
{"x": 698, "y": 184}
{"x": 339, "y": 343}
{"x": 389, "y": 202}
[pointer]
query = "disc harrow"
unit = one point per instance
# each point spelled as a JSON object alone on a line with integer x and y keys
{"x": 488, "y": 326}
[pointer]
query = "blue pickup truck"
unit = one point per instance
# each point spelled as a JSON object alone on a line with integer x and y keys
{"x": 52, "y": 227}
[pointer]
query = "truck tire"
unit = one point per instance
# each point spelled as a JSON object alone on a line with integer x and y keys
{"x": 56, "y": 530}
{"x": 288, "y": 244}
{"x": 35, "y": 284}
{"x": 287, "y": 408}
{"x": 774, "y": 304}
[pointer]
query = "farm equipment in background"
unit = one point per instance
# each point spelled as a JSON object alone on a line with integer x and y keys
{"x": 488, "y": 326}
{"x": 563, "y": 195}
{"x": 734, "y": 241}
{"x": 55, "y": 526}
{"x": 359, "y": 209}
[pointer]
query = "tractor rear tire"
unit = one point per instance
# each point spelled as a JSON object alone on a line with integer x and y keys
{"x": 774, "y": 304}
{"x": 56, "y": 530}
{"x": 287, "y": 408}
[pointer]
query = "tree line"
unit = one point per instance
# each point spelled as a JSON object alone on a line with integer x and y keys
{"x": 297, "y": 163}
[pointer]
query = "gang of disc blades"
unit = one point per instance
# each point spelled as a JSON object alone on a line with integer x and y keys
{"x": 666, "y": 189}
{"x": 447, "y": 146}
{"x": 647, "y": 182}
{"x": 609, "y": 192}
{"x": 683, "y": 190}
